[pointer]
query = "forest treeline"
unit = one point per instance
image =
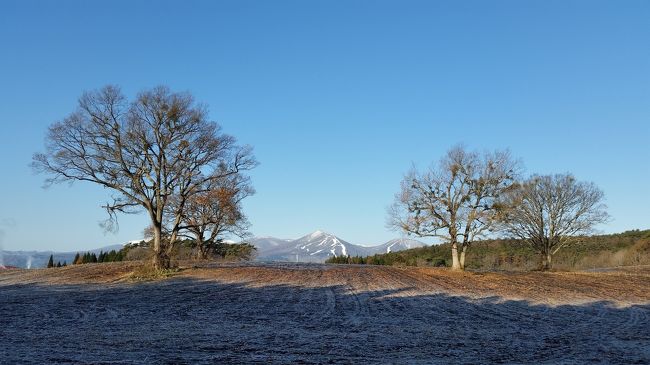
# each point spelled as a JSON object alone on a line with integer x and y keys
{"x": 588, "y": 252}
{"x": 184, "y": 250}
{"x": 91, "y": 257}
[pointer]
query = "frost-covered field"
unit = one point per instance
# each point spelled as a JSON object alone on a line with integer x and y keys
{"x": 273, "y": 313}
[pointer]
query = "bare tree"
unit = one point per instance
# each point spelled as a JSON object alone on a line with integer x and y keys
{"x": 548, "y": 212}
{"x": 455, "y": 200}
{"x": 158, "y": 146}
{"x": 216, "y": 212}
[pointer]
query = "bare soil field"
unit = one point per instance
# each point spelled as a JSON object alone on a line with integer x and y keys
{"x": 319, "y": 314}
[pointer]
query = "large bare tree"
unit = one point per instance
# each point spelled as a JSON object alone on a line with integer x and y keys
{"x": 455, "y": 200}
{"x": 216, "y": 212}
{"x": 159, "y": 146}
{"x": 548, "y": 212}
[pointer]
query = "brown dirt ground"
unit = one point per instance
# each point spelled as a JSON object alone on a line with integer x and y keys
{"x": 624, "y": 285}
{"x": 314, "y": 314}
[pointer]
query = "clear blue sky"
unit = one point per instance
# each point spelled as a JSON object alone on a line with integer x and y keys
{"x": 338, "y": 98}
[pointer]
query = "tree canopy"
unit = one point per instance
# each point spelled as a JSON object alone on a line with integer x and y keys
{"x": 151, "y": 150}
{"x": 455, "y": 200}
{"x": 549, "y": 211}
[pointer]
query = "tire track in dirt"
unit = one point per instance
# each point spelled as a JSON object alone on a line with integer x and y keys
{"x": 355, "y": 285}
{"x": 313, "y": 314}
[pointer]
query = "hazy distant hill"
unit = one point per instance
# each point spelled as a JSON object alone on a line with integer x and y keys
{"x": 318, "y": 246}
{"x": 38, "y": 259}
{"x": 398, "y": 244}
{"x": 315, "y": 247}
{"x": 267, "y": 243}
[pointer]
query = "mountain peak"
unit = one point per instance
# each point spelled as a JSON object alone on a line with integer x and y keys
{"x": 400, "y": 244}
{"x": 318, "y": 233}
{"x": 319, "y": 245}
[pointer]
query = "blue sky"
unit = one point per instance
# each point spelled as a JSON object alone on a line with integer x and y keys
{"x": 338, "y": 98}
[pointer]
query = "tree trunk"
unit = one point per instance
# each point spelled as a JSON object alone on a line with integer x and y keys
{"x": 547, "y": 262}
{"x": 201, "y": 252}
{"x": 462, "y": 257}
{"x": 454, "y": 257}
{"x": 160, "y": 258}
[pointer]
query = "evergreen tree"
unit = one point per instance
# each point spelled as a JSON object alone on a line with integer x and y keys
{"x": 58, "y": 264}
{"x": 77, "y": 259}
{"x": 50, "y": 262}
{"x": 112, "y": 256}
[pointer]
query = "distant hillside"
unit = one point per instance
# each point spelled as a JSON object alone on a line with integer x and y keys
{"x": 319, "y": 246}
{"x": 398, "y": 244}
{"x": 622, "y": 249}
{"x": 314, "y": 247}
{"x": 38, "y": 259}
{"x": 267, "y": 243}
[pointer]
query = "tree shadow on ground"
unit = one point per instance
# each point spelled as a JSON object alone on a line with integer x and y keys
{"x": 191, "y": 321}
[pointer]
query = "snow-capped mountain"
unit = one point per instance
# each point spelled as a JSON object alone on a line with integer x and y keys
{"x": 314, "y": 247}
{"x": 319, "y": 245}
{"x": 267, "y": 243}
{"x": 399, "y": 244}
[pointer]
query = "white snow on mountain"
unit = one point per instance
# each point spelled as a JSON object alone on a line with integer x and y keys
{"x": 400, "y": 244}
{"x": 266, "y": 243}
{"x": 319, "y": 245}
{"x": 314, "y": 247}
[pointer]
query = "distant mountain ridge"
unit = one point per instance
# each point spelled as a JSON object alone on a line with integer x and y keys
{"x": 267, "y": 243}
{"x": 314, "y": 247}
{"x": 319, "y": 246}
{"x": 38, "y": 259}
{"x": 400, "y": 244}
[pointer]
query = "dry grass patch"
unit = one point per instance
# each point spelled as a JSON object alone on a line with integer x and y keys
{"x": 147, "y": 272}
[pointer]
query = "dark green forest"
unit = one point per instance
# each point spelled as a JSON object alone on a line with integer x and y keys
{"x": 599, "y": 251}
